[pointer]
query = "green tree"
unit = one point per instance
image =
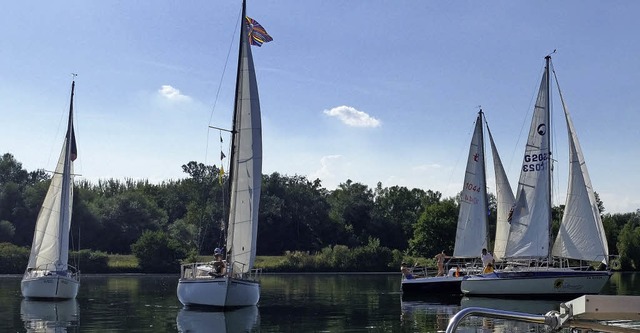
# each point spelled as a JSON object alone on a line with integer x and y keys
{"x": 396, "y": 211}
{"x": 436, "y": 229}
{"x": 157, "y": 253}
{"x": 295, "y": 209}
{"x": 629, "y": 242}
{"x": 351, "y": 208}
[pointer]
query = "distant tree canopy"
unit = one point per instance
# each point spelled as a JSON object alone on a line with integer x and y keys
{"x": 296, "y": 214}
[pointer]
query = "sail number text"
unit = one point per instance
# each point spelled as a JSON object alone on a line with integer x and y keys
{"x": 534, "y": 162}
{"x": 472, "y": 187}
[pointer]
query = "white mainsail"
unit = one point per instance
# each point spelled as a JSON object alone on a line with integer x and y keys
{"x": 472, "y": 233}
{"x": 581, "y": 235}
{"x": 531, "y": 215}
{"x": 246, "y": 164}
{"x": 505, "y": 200}
{"x": 50, "y": 247}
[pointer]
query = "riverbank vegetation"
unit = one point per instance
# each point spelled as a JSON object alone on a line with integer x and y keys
{"x": 303, "y": 226}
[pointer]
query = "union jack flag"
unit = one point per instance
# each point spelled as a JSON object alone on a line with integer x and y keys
{"x": 257, "y": 34}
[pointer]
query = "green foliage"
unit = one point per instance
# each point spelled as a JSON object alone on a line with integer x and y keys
{"x": 157, "y": 253}
{"x": 7, "y": 231}
{"x": 436, "y": 229}
{"x": 13, "y": 258}
{"x": 88, "y": 261}
{"x": 339, "y": 258}
{"x": 629, "y": 242}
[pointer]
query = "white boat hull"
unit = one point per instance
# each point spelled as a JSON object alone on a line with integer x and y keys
{"x": 558, "y": 282}
{"x": 50, "y": 286}
{"x": 221, "y": 292}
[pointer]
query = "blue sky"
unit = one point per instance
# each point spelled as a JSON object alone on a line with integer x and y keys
{"x": 364, "y": 90}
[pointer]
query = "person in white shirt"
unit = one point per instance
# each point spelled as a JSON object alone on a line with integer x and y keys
{"x": 487, "y": 259}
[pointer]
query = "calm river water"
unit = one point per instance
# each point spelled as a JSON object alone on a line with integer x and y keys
{"x": 289, "y": 303}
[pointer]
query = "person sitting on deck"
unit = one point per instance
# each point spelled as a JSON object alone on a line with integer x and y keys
{"x": 219, "y": 265}
{"x": 406, "y": 273}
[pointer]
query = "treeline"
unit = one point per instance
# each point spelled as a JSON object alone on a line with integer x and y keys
{"x": 296, "y": 215}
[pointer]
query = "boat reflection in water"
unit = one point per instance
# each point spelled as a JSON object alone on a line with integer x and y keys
{"x": 430, "y": 313}
{"x": 204, "y": 320}
{"x": 536, "y": 306}
{"x": 50, "y": 316}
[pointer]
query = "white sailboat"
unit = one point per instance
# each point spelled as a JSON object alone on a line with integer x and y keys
{"x": 539, "y": 269}
{"x": 239, "y": 285}
{"x": 48, "y": 274}
{"x": 472, "y": 234}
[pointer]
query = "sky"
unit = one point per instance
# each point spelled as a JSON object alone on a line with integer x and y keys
{"x": 371, "y": 91}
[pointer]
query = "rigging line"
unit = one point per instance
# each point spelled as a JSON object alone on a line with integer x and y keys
{"x": 534, "y": 97}
{"x": 455, "y": 165}
{"x": 224, "y": 70}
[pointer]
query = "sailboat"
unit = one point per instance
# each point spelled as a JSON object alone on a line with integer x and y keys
{"x": 48, "y": 274}
{"x": 238, "y": 286}
{"x": 537, "y": 268}
{"x": 472, "y": 234}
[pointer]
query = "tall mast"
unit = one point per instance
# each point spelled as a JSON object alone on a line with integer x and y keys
{"x": 234, "y": 130}
{"x": 66, "y": 174}
{"x": 549, "y": 159}
{"x": 484, "y": 176}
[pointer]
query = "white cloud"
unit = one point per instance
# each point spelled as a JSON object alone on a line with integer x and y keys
{"x": 352, "y": 117}
{"x": 325, "y": 173}
{"x": 427, "y": 167}
{"x": 173, "y": 94}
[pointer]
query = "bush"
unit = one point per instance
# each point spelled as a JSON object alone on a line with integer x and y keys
{"x": 157, "y": 253}
{"x": 13, "y": 258}
{"x": 88, "y": 261}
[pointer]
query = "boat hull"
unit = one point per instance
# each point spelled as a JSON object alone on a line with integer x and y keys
{"x": 50, "y": 287}
{"x": 223, "y": 292}
{"x": 559, "y": 283}
{"x": 432, "y": 285}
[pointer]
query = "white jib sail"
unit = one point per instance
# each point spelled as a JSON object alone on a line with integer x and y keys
{"x": 246, "y": 164}
{"x": 472, "y": 234}
{"x": 505, "y": 200}
{"x": 531, "y": 216}
{"x": 581, "y": 235}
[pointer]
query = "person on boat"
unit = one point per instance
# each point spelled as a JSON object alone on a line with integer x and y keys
{"x": 488, "y": 269}
{"x": 219, "y": 265}
{"x": 457, "y": 273}
{"x": 440, "y": 262}
{"x": 487, "y": 259}
{"x": 406, "y": 272}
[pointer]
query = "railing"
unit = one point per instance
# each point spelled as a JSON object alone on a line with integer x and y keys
{"x": 551, "y": 319}
{"x": 200, "y": 270}
{"x": 51, "y": 269}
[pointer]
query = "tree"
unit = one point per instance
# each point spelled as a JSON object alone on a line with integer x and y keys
{"x": 436, "y": 229}
{"x": 157, "y": 253}
{"x": 396, "y": 211}
{"x": 295, "y": 209}
{"x": 351, "y": 207}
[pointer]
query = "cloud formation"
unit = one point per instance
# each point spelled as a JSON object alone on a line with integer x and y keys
{"x": 173, "y": 94}
{"x": 352, "y": 117}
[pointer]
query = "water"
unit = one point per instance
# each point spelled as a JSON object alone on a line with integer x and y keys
{"x": 289, "y": 303}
